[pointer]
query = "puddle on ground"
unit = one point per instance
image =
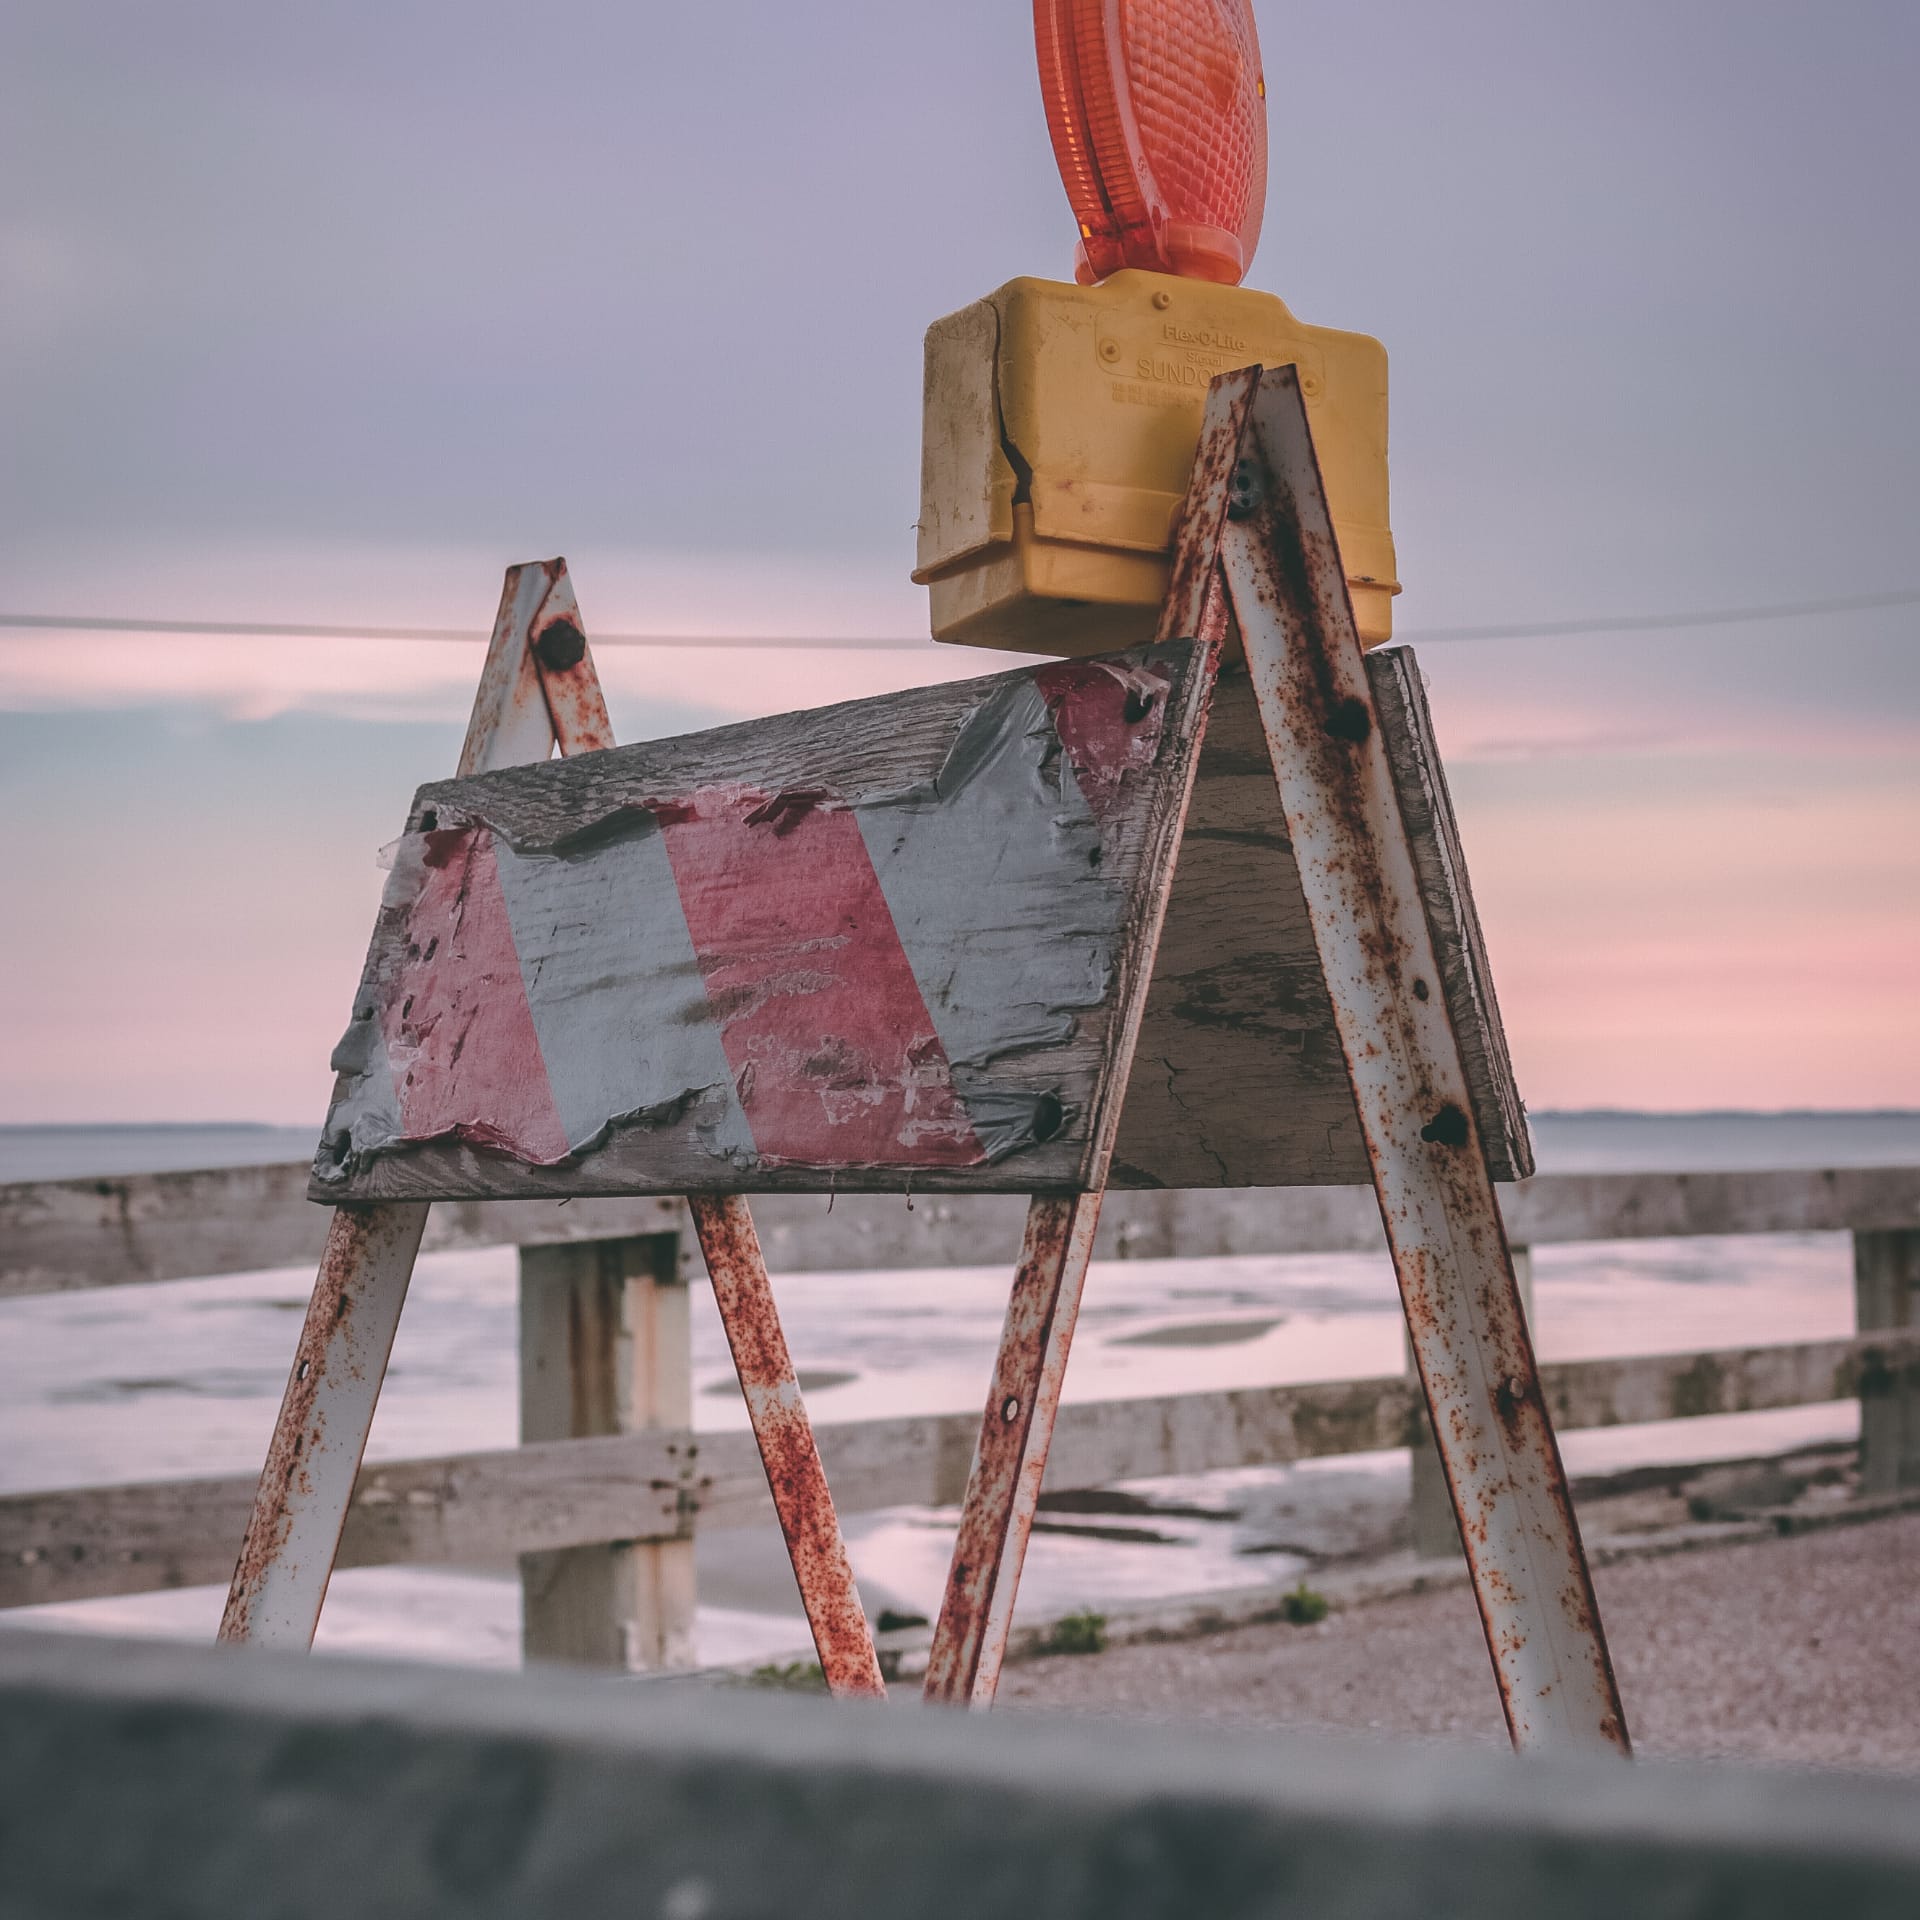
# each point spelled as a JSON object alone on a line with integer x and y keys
{"x": 1202, "y": 1333}
{"x": 812, "y": 1380}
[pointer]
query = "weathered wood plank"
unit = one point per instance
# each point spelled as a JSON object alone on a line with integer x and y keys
{"x": 1239, "y": 1080}
{"x": 1886, "y": 1293}
{"x": 460, "y": 1510}
{"x": 1237, "y": 1004}
{"x": 471, "y": 1509}
{"x": 477, "y": 1509}
{"x": 605, "y": 1349}
{"x": 1687, "y": 1386}
{"x": 56, "y": 1235}
{"x": 117, "y": 1231}
{"x": 874, "y": 946}
{"x": 1558, "y": 1208}
{"x": 1466, "y": 977}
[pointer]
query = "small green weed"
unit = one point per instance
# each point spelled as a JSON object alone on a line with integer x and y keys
{"x": 1082, "y": 1632}
{"x": 796, "y": 1676}
{"x": 1303, "y": 1606}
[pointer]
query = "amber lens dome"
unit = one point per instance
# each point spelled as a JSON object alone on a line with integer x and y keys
{"x": 1158, "y": 112}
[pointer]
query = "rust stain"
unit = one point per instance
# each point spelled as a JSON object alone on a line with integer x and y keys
{"x": 795, "y": 1478}
{"x": 362, "y": 1241}
{"x": 557, "y": 636}
{"x": 1194, "y": 603}
{"x": 1011, "y": 1455}
{"x": 326, "y": 1352}
{"x": 1464, "y": 1318}
{"x": 561, "y": 646}
{"x": 503, "y": 683}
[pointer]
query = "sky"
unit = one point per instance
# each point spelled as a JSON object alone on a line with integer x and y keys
{"x": 332, "y": 313}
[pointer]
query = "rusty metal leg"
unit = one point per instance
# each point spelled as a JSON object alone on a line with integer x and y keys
{"x": 799, "y": 1486}
{"x": 307, "y": 1483}
{"x": 1430, "y": 1170}
{"x": 1010, "y": 1460}
{"x": 538, "y": 689}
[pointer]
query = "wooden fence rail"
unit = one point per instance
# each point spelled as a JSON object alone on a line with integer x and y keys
{"x": 603, "y": 1520}
{"x": 122, "y": 1230}
{"x": 651, "y": 1486}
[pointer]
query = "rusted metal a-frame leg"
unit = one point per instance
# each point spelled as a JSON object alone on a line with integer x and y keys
{"x": 1016, "y": 1430}
{"x": 1003, "y": 1488}
{"x": 538, "y": 690}
{"x": 1282, "y": 568}
{"x": 837, "y": 1620}
{"x": 1255, "y": 532}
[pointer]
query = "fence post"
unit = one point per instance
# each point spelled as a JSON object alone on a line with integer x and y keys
{"x": 1436, "y": 1534}
{"x": 1886, "y": 1287}
{"x": 605, "y": 1348}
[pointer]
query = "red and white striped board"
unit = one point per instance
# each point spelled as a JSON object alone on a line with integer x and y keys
{"x": 875, "y": 945}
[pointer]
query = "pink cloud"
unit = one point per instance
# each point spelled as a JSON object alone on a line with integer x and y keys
{"x": 1687, "y": 904}
{"x": 1749, "y": 937}
{"x": 255, "y": 677}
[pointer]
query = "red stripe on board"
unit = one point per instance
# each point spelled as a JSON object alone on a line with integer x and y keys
{"x": 1109, "y": 722}
{"x": 833, "y": 1051}
{"x": 458, "y": 1029}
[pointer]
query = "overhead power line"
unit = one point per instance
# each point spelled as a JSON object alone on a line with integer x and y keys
{"x": 1520, "y": 630}
{"x": 315, "y": 630}
{"x": 1674, "y": 622}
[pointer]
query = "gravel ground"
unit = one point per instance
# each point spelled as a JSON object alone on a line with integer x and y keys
{"x": 1804, "y": 1650}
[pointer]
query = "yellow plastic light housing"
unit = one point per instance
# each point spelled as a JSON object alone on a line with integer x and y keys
{"x": 1058, "y": 433}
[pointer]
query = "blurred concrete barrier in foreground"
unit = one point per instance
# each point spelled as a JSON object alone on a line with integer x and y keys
{"x": 141, "y": 1779}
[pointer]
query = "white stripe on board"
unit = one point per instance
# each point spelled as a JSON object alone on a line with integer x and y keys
{"x": 616, "y": 993}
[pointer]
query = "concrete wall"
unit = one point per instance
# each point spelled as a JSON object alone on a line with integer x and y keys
{"x": 154, "y": 1780}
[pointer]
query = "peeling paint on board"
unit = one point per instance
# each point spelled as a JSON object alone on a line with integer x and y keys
{"x": 833, "y": 1052}
{"x": 1465, "y": 1322}
{"x": 878, "y": 968}
{"x": 1010, "y": 973}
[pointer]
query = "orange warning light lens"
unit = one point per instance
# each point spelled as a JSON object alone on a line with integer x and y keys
{"x": 1158, "y": 112}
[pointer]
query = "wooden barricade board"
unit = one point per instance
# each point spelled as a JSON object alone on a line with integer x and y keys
{"x": 893, "y": 943}
{"x": 1238, "y": 1079}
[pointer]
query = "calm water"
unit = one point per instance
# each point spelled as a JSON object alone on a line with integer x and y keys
{"x": 183, "y": 1379}
{"x": 1563, "y": 1142}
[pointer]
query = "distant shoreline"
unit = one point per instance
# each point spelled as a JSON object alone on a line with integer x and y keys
{"x": 1533, "y": 1113}
{"x": 1593, "y": 1140}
